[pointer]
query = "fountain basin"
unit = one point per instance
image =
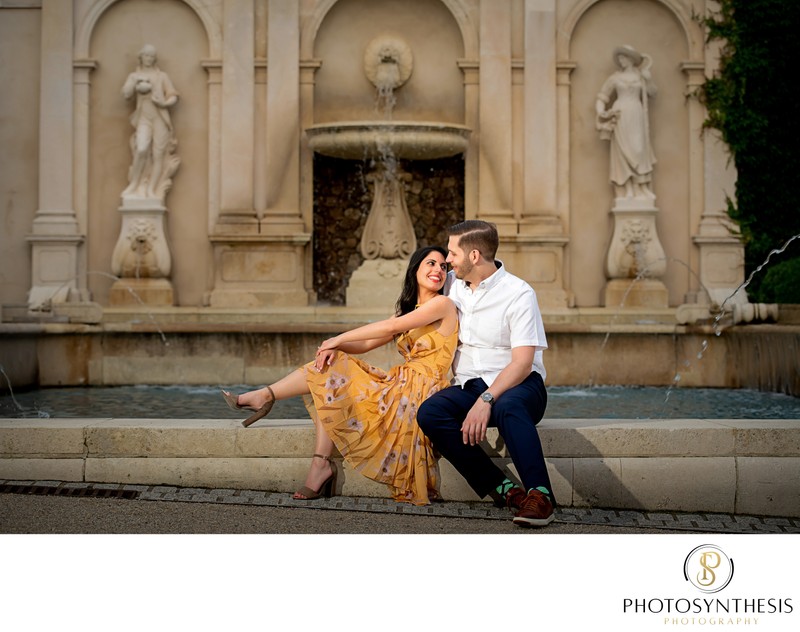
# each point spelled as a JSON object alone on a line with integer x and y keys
{"x": 410, "y": 140}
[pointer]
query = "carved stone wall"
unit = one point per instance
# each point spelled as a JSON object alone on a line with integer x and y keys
{"x": 252, "y": 207}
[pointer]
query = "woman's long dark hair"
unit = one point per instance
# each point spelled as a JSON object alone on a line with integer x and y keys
{"x": 408, "y": 297}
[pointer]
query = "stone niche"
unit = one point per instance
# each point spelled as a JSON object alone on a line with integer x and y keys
{"x": 342, "y": 199}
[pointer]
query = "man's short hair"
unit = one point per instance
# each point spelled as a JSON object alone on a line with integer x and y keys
{"x": 475, "y": 234}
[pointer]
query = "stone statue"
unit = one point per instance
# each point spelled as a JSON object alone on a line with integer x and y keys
{"x": 622, "y": 118}
{"x": 153, "y": 142}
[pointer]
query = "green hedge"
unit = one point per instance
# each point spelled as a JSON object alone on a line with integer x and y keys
{"x": 749, "y": 102}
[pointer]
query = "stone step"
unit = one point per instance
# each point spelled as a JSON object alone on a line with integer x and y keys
{"x": 724, "y": 466}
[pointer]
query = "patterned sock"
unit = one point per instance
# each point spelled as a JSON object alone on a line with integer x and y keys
{"x": 544, "y": 490}
{"x": 504, "y": 487}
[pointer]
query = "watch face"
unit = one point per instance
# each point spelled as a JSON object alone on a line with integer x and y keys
{"x": 487, "y": 397}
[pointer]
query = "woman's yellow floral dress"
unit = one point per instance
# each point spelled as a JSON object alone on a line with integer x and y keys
{"x": 370, "y": 414}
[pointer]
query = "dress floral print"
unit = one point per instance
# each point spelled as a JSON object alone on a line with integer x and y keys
{"x": 370, "y": 414}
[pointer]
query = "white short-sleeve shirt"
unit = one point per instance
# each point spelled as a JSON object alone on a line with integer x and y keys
{"x": 497, "y": 315}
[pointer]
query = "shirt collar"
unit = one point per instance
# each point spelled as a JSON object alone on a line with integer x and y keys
{"x": 490, "y": 281}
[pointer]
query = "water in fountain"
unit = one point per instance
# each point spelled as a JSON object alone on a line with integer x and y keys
{"x": 564, "y": 402}
{"x": 777, "y": 382}
{"x": 17, "y": 407}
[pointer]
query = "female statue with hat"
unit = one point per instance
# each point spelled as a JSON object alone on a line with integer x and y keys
{"x": 621, "y": 109}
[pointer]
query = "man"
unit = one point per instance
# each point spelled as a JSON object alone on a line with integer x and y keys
{"x": 499, "y": 377}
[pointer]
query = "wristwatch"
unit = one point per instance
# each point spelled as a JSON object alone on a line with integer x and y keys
{"x": 488, "y": 398}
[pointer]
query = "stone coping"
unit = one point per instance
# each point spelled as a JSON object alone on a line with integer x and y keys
{"x": 325, "y": 320}
{"x": 322, "y": 318}
{"x": 730, "y": 466}
{"x": 576, "y": 438}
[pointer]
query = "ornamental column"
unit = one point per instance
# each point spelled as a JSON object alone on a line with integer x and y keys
{"x": 58, "y": 272}
{"x": 541, "y": 239}
{"x": 259, "y": 254}
{"x": 495, "y": 120}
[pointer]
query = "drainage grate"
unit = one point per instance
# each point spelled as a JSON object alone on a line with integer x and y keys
{"x": 87, "y": 491}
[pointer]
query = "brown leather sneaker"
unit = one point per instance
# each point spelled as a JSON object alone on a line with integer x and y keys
{"x": 514, "y": 498}
{"x": 536, "y": 510}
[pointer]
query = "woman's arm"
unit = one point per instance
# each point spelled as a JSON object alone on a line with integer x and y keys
{"x": 362, "y": 346}
{"x": 381, "y": 332}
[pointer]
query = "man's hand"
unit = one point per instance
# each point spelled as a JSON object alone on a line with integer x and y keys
{"x": 474, "y": 427}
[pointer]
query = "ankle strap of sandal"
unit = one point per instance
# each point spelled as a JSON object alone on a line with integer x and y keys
{"x": 322, "y": 456}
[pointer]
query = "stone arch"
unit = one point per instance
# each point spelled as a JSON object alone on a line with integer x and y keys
{"x": 692, "y": 30}
{"x": 469, "y": 30}
{"x": 83, "y": 36}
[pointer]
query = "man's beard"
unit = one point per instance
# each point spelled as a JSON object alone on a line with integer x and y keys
{"x": 464, "y": 269}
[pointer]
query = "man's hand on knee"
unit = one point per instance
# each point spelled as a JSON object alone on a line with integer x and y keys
{"x": 474, "y": 427}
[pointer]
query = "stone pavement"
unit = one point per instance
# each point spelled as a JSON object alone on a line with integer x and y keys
{"x": 343, "y": 514}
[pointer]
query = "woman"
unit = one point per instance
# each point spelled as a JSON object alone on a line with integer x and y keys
{"x": 623, "y": 120}
{"x": 370, "y": 414}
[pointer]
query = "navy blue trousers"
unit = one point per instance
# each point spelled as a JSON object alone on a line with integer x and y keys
{"x": 515, "y": 414}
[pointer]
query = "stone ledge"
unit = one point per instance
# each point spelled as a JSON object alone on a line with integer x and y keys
{"x": 581, "y": 438}
{"x": 732, "y": 466}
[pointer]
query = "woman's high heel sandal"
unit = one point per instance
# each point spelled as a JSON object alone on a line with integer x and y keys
{"x": 326, "y": 489}
{"x": 233, "y": 402}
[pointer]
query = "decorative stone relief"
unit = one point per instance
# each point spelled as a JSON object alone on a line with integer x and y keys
{"x": 635, "y": 250}
{"x": 141, "y": 251}
{"x": 622, "y": 118}
{"x": 388, "y": 64}
{"x": 153, "y": 141}
{"x": 388, "y": 232}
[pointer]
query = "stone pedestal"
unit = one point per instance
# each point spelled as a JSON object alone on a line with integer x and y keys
{"x": 56, "y": 270}
{"x": 377, "y": 283}
{"x": 536, "y": 254}
{"x": 636, "y": 293}
{"x": 635, "y": 259}
{"x": 255, "y": 270}
{"x": 141, "y": 257}
{"x": 141, "y": 293}
{"x": 722, "y": 268}
{"x": 387, "y": 241}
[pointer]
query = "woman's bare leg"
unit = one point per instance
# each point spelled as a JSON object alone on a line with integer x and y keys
{"x": 290, "y": 386}
{"x": 293, "y": 385}
{"x": 321, "y": 469}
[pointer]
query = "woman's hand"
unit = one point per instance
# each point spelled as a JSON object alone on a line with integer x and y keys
{"x": 330, "y": 344}
{"x": 325, "y": 353}
{"x": 324, "y": 359}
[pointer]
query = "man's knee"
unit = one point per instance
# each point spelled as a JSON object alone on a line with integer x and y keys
{"x": 516, "y": 410}
{"x": 425, "y": 415}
